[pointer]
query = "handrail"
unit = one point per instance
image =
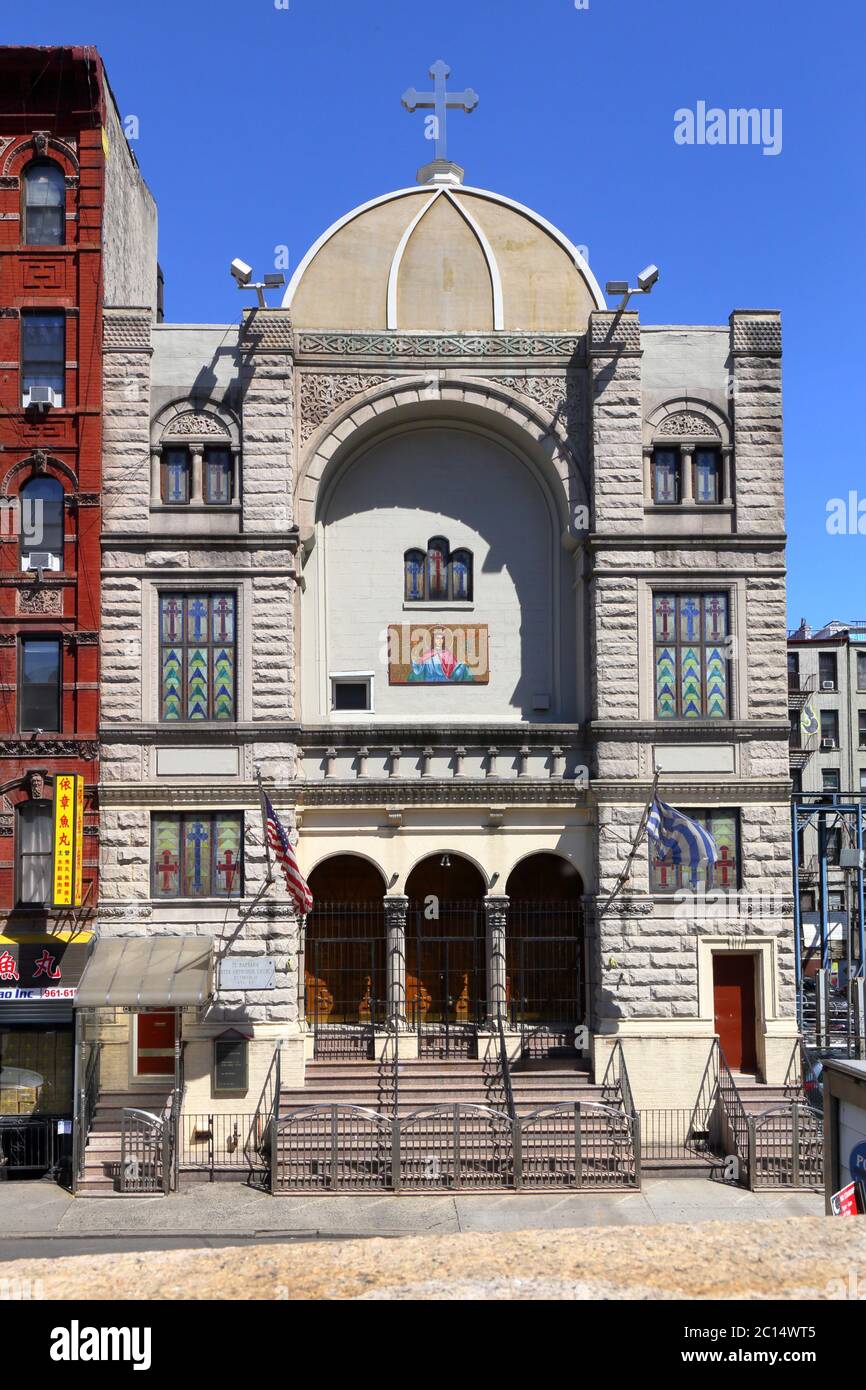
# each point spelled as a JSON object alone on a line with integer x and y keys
{"x": 389, "y": 1067}
{"x": 505, "y": 1068}
{"x": 616, "y": 1079}
{"x": 719, "y": 1089}
{"x": 88, "y": 1096}
{"x": 267, "y": 1110}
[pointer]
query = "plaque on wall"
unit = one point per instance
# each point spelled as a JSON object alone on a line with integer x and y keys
{"x": 231, "y": 1062}
{"x": 247, "y": 972}
{"x": 438, "y": 654}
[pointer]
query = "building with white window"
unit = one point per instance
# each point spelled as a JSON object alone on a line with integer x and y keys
{"x": 455, "y": 556}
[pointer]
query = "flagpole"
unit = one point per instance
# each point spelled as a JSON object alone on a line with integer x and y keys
{"x": 632, "y": 854}
{"x": 264, "y": 823}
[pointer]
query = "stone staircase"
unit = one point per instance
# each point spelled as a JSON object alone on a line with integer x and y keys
{"x": 436, "y": 1082}
{"x": 102, "y": 1153}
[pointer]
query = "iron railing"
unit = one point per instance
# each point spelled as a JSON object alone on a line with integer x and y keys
{"x": 671, "y": 1135}
{"x": 146, "y": 1158}
{"x": 87, "y": 1098}
{"x": 33, "y": 1144}
{"x": 257, "y": 1145}
{"x": 389, "y": 1069}
{"x": 460, "y": 1146}
{"x": 505, "y": 1069}
{"x": 214, "y": 1143}
{"x": 786, "y": 1147}
{"x": 719, "y": 1121}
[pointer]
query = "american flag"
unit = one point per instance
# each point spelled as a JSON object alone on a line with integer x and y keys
{"x": 285, "y": 857}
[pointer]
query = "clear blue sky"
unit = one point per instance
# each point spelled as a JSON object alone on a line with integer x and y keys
{"x": 259, "y": 126}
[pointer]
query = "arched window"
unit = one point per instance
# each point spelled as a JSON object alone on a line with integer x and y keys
{"x": 413, "y": 575}
{"x": 44, "y": 204}
{"x": 437, "y": 574}
{"x": 461, "y": 575}
{"x": 437, "y": 568}
{"x": 41, "y": 524}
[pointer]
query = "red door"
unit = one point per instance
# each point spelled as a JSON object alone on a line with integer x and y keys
{"x": 734, "y": 996}
{"x": 154, "y": 1053}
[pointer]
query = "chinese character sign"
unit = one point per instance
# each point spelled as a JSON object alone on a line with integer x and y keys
{"x": 78, "y": 881}
{"x": 68, "y": 831}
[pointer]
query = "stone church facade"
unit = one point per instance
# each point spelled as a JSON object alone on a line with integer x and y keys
{"x": 454, "y": 557}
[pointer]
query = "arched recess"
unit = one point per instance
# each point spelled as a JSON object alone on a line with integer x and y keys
{"x": 537, "y": 432}
{"x": 188, "y": 421}
{"x": 344, "y": 957}
{"x": 35, "y": 465}
{"x": 536, "y": 663}
{"x": 689, "y": 418}
{"x": 446, "y": 956}
{"x": 545, "y": 953}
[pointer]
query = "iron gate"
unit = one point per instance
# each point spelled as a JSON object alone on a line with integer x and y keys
{"x": 544, "y": 987}
{"x": 145, "y": 1152}
{"x": 345, "y": 987}
{"x": 446, "y": 976}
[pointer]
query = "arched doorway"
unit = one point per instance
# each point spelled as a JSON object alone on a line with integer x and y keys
{"x": 544, "y": 954}
{"x": 446, "y": 965}
{"x": 344, "y": 961}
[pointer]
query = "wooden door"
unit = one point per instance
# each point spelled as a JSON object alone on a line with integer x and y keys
{"x": 154, "y": 1043}
{"x": 734, "y": 998}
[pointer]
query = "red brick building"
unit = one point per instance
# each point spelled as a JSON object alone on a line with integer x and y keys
{"x": 67, "y": 177}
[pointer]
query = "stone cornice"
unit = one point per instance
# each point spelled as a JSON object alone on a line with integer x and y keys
{"x": 430, "y": 791}
{"x": 690, "y": 731}
{"x": 408, "y": 735}
{"x": 171, "y": 540}
{"x": 726, "y": 793}
{"x": 197, "y": 734}
{"x": 334, "y": 346}
{"x": 760, "y": 540}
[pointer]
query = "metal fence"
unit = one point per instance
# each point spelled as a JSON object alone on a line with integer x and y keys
{"x": 214, "y": 1143}
{"x": 786, "y": 1147}
{"x": 573, "y": 1147}
{"x": 34, "y": 1144}
{"x": 673, "y": 1135}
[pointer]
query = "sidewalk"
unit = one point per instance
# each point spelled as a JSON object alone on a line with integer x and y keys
{"x": 42, "y": 1211}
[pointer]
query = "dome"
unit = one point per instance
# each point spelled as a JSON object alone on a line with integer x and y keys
{"x": 445, "y": 259}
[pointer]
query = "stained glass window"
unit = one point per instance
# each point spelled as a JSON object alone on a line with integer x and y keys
{"x": 218, "y": 477}
{"x": 667, "y": 875}
{"x": 690, "y": 633}
{"x": 666, "y": 476}
{"x": 461, "y": 575}
{"x": 413, "y": 570}
{"x": 437, "y": 574}
{"x": 707, "y": 476}
{"x": 197, "y": 656}
{"x": 197, "y": 856}
{"x": 175, "y": 475}
{"x": 437, "y": 568}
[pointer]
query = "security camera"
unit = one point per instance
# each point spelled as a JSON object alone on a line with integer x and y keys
{"x": 242, "y": 272}
{"x": 648, "y": 278}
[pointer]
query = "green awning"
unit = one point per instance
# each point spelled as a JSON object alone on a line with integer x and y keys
{"x": 153, "y": 972}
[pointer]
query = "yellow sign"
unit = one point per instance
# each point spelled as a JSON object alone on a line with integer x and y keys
{"x": 105, "y": 142}
{"x": 78, "y": 881}
{"x": 67, "y": 892}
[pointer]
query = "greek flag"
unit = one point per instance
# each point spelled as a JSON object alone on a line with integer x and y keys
{"x": 682, "y": 839}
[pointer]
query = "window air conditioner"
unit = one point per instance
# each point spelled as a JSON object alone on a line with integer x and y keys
{"x": 41, "y": 560}
{"x": 43, "y": 397}
{"x": 828, "y": 743}
{"x": 828, "y": 685}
